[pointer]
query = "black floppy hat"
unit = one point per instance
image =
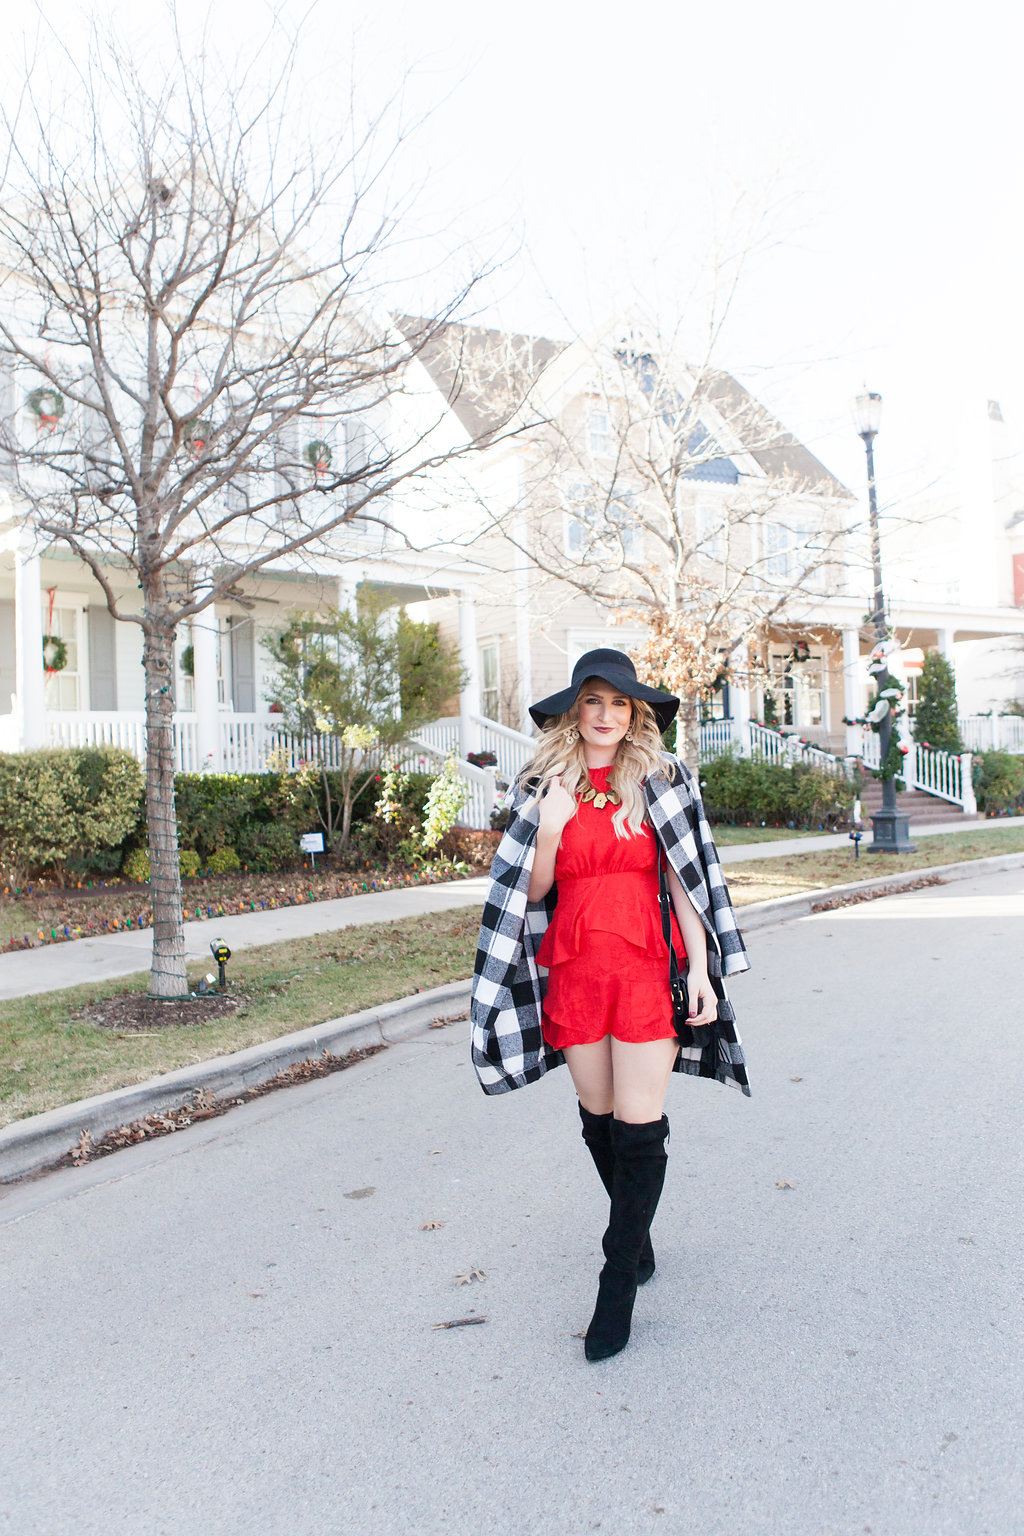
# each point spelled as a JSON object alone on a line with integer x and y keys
{"x": 613, "y": 667}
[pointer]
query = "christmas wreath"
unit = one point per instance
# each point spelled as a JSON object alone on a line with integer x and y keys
{"x": 46, "y": 405}
{"x": 196, "y": 435}
{"x": 55, "y": 654}
{"x": 318, "y": 456}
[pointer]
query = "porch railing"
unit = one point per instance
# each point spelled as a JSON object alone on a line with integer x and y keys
{"x": 987, "y": 733}
{"x": 752, "y": 740}
{"x": 946, "y": 775}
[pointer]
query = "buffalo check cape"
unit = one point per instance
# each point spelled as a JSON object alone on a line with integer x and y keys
{"x": 508, "y": 986}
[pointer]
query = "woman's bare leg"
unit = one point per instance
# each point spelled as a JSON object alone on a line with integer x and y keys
{"x": 640, "y": 1074}
{"x": 591, "y": 1069}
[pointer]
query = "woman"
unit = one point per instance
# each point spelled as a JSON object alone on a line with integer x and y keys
{"x": 574, "y": 889}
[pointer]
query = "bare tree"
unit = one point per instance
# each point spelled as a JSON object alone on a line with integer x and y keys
{"x": 193, "y": 310}
{"x": 671, "y": 497}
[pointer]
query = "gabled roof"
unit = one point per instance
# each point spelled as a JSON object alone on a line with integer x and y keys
{"x": 485, "y": 374}
{"x": 774, "y": 449}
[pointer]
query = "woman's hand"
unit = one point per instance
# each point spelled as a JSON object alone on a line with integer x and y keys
{"x": 556, "y": 807}
{"x": 703, "y": 1002}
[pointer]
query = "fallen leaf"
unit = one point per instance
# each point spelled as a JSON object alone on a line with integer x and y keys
{"x": 471, "y": 1274}
{"x": 430, "y": 1226}
{"x": 460, "y": 1322}
{"x": 435, "y": 1151}
{"x": 361, "y": 1194}
{"x": 785, "y": 1184}
{"x": 796, "y": 1079}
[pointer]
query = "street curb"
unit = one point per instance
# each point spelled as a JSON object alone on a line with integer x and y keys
{"x": 762, "y": 914}
{"x": 30, "y": 1144}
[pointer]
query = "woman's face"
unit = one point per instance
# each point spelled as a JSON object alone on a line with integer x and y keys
{"x": 604, "y": 718}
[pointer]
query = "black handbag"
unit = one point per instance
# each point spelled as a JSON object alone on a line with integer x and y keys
{"x": 701, "y": 1036}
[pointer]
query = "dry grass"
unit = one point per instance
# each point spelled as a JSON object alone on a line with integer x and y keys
{"x": 764, "y": 879}
{"x": 49, "y": 1057}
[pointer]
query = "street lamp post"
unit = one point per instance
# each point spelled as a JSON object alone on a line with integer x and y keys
{"x": 891, "y": 827}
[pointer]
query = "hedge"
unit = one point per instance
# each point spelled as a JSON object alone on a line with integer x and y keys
{"x": 61, "y": 805}
{"x": 998, "y": 779}
{"x": 740, "y": 790}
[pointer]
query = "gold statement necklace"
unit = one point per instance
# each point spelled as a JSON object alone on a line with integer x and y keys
{"x": 600, "y": 797}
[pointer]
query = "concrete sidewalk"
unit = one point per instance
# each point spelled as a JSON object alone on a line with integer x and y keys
{"x": 55, "y": 966}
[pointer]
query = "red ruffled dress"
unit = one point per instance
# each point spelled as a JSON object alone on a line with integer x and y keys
{"x": 605, "y": 951}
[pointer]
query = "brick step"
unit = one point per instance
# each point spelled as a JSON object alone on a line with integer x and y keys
{"x": 914, "y": 803}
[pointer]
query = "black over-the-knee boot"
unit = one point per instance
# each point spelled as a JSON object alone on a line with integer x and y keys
{"x": 638, "y": 1177}
{"x": 597, "y": 1133}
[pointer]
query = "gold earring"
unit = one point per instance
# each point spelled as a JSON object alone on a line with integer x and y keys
{"x": 572, "y": 736}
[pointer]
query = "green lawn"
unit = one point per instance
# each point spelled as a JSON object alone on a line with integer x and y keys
{"x": 763, "y": 879}
{"x": 727, "y": 836}
{"x": 48, "y": 1058}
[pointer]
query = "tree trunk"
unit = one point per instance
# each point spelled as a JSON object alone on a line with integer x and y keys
{"x": 167, "y": 976}
{"x": 688, "y": 735}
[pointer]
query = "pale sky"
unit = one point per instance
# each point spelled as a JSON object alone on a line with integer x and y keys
{"x": 877, "y": 149}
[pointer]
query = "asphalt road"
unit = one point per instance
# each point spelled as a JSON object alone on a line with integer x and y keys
{"x": 230, "y": 1330}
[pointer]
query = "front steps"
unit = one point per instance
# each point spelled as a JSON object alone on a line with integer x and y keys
{"x": 912, "y": 802}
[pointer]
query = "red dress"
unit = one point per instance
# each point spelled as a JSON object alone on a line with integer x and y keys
{"x": 604, "y": 948}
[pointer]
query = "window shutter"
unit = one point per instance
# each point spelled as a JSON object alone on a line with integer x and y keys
{"x": 102, "y": 659}
{"x": 243, "y": 666}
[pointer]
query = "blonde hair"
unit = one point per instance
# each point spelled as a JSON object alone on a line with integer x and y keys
{"x": 634, "y": 762}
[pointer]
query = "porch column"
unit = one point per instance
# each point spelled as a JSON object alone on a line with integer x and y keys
{"x": 204, "y": 689}
{"x": 851, "y": 689}
{"x": 469, "y": 698}
{"x": 944, "y": 640}
{"x": 739, "y": 699}
{"x": 28, "y": 650}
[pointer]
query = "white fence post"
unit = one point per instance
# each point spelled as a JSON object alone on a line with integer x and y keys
{"x": 969, "y": 801}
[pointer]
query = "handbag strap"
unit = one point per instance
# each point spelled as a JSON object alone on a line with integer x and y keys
{"x": 674, "y": 974}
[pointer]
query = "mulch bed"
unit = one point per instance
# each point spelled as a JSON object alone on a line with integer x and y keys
{"x": 203, "y": 1105}
{"x": 134, "y": 1013}
{"x": 60, "y": 914}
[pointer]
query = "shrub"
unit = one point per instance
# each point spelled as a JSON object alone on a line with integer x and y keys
{"x": 223, "y": 861}
{"x": 998, "y": 781}
{"x": 749, "y": 789}
{"x": 136, "y": 864}
{"x": 265, "y": 847}
{"x": 65, "y": 803}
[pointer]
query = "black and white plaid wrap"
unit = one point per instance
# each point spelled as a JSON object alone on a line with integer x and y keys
{"x": 508, "y": 986}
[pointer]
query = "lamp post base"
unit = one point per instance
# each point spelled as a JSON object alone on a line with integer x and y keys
{"x": 890, "y": 833}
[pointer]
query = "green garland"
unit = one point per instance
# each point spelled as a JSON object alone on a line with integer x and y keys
{"x": 55, "y": 654}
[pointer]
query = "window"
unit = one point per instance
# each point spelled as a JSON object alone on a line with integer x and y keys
{"x": 64, "y": 688}
{"x": 601, "y": 530}
{"x": 789, "y": 549}
{"x": 489, "y": 701}
{"x": 799, "y": 688}
{"x": 710, "y": 517}
{"x": 599, "y": 436}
